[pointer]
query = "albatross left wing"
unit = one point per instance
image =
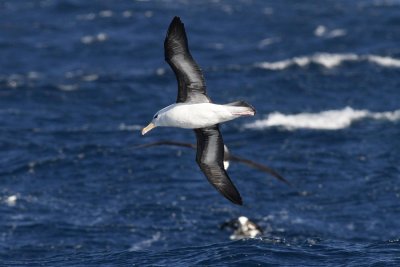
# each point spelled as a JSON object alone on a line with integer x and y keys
{"x": 210, "y": 154}
{"x": 191, "y": 84}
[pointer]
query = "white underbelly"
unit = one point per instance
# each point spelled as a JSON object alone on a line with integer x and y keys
{"x": 192, "y": 116}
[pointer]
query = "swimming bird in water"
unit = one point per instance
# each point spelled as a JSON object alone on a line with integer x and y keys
{"x": 228, "y": 157}
{"x": 194, "y": 110}
{"x": 243, "y": 228}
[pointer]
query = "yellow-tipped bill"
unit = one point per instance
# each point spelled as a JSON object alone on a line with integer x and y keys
{"x": 148, "y": 128}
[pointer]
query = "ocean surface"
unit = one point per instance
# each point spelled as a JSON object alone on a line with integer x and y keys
{"x": 79, "y": 79}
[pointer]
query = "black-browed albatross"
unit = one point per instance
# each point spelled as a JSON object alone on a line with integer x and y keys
{"x": 194, "y": 110}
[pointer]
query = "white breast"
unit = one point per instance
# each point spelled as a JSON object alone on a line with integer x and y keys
{"x": 192, "y": 116}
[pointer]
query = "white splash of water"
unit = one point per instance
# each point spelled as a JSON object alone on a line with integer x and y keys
{"x": 325, "y": 120}
{"x": 322, "y": 31}
{"x": 11, "y": 200}
{"x": 336, "y": 33}
{"x": 268, "y": 41}
{"x": 146, "y": 243}
{"x": 89, "y": 39}
{"x": 329, "y": 60}
{"x": 384, "y": 61}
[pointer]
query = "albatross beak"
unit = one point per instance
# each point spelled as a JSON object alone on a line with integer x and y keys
{"x": 148, "y": 128}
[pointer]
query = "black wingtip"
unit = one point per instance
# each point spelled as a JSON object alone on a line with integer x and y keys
{"x": 176, "y": 23}
{"x": 239, "y": 202}
{"x": 176, "y": 19}
{"x": 232, "y": 194}
{"x": 175, "y": 40}
{"x": 236, "y": 200}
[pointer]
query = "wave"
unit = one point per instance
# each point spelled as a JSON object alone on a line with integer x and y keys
{"x": 322, "y": 31}
{"x": 89, "y": 39}
{"x": 10, "y": 200}
{"x": 146, "y": 243}
{"x": 329, "y": 60}
{"x": 325, "y": 120}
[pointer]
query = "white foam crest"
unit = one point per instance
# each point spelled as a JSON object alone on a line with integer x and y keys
{"x": 384, "y": 61}
{"x": 146, "y": 243}
{"x": 325, "y": 59}
{"x": 332, "y": 60}
{"x": 10, "y": 201}
{"x": 89, "y": 39}
{"x": 267, "y": 41}
{"x": 329, "y": 60}
{"x": 388, "y": 115}
{"x": 336, "y": 33}
{"x": 322, "y": 31}
{"x": 325, "y": 120}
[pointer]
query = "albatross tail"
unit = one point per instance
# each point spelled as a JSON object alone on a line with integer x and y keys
{"x": 242, "y": 108}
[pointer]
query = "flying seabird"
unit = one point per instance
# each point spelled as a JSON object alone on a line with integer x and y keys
{"x": 194, "y": 110}
{"x": 243, "y": 228}
{"x": 228, "y": 156}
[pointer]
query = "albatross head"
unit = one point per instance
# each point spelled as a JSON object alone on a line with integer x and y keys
{"x": 153, "y": 124}
{"x": 163, "y": 117}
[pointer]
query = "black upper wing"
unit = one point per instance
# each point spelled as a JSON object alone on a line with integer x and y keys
{"x": 191, "y": 84}
{"x": 210, "y": 154}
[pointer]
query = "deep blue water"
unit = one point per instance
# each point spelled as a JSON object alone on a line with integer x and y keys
{"x": 78, "y": 79}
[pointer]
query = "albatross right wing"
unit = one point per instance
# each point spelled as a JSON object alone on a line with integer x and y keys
{"x": 191, "y": 84}
{"x": 210, "y": 154}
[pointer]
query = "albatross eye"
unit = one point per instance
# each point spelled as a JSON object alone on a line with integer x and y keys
{"x": 155, "y": 116}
